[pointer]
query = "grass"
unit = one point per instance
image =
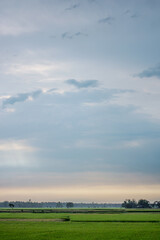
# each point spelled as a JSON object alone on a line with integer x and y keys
{"x": 79, "y": 231}
{"x": 124, "y": 217}
{"x": 32, "y": 215}
{"x": 95, "y": 226}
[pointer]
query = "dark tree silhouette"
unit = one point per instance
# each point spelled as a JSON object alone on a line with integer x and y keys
{"x": 59, "y": 205}
{"x": 69, "y": 204}
{"x": 11, "y": 205}
{"x": 156, "y": 204}
{"x": 129, "y": 203}
{"x": 143, "y": 203}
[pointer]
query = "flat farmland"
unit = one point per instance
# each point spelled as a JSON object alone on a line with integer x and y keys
{"x": 96, "y": 226}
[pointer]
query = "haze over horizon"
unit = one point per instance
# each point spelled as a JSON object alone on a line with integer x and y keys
{"x": 79, "y": 100}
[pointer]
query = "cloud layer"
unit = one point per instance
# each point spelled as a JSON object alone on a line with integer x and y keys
{"x": 82, "y": 84}
{"x": 21, "y": 97}
{"x": 108, "y": 20}
{"x": 150, "y": 72}
{"x": 72, "y": 7}
{"x": 71, "y": 102}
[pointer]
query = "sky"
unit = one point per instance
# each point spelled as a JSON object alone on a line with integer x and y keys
{"x": 79, "y": 100}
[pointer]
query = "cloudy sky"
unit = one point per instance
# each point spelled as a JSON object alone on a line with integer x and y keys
{"x": 79, "y": 100}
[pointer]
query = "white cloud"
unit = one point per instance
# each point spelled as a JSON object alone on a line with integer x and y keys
{"x": 96, "y": 104}
{"x": 99, "y": 127}
{"x": 95, "y": 144}
{"x": 16, "y": 145}
{"x": 10, "y": 110}
{"x": 34, "y": 68}
{"x": 4, "y": 97}
{"x": 132, "y": 144}
{"x": 8, "y": 27}
{"x": 34, "y": 16}
{"x": 144, "y": 100}
{"x": 17, "y": 153}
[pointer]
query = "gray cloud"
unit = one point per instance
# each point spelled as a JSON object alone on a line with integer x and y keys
{"x": 66, "y": 35}
{"x": 73, "y": 7}
{"x": 82, "y": 84}
{"x": 135, "y": 15}
{"x": 51, "y": 90}
{"x": 130, "y": 14}
{"x": 91, "y": 128}
{"x": 71, "y": 36}
{"x": 108, "y": 20}
{"x": 80, "y": 34}
{"x": 150, "y": 72}
{"x": 66, "y": 132}
{"x": 127, "y": 12}
{"x": 21, "y": 97}
{"x": 91, "y": 1}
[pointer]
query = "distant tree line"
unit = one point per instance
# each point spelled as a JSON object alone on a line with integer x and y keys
{"x": 30, "y": 204}
{"x": 58, "y": 205}
{"x": 128, "y": 203}
{"x": 142, "y": 203}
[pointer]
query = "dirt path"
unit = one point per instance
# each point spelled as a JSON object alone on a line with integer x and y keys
{"x": 31, "y": 220}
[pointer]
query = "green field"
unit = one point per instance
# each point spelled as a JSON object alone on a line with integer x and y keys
{"x": 96, "y": 226}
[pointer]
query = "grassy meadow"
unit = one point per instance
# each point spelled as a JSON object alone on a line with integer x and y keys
{"x": 97, "y": 226}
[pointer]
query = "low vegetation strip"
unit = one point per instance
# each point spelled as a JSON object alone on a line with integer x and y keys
{"x": 76, "y": 221}
{"x": 63, "y": 211}
{"x": 33, "y": 220}
{"x": 118, "y": 221}
{"x": 84, "y": 211}
{"x": 136, "y": 217}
